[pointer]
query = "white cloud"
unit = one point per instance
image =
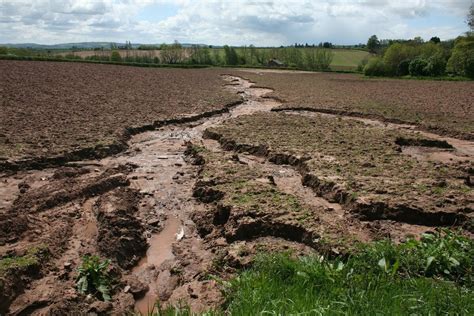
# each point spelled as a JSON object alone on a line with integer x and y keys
{"x": 268, "y": 22}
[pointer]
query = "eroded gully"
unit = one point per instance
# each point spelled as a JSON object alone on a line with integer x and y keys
{"x": 167, "y": 180}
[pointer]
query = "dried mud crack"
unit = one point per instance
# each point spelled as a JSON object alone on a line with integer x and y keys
{"x": 198, "y": 196}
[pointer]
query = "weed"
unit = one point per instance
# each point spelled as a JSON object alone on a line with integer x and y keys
{"x": 93, "y": 277}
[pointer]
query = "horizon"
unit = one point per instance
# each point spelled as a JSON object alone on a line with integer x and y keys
{"x": 242, "y": 23}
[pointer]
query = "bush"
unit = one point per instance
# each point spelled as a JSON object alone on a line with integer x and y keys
{"x": 362, "y": 64}
{"x": 461, "y": 61}
{"x": 436, "y": 65}
{"x": 403, "y": 67}
{"x": 375, "y": 67}
{"x": 418, "y": 67}
{"x": 115, "y": 56}
{"x": 395, "y": 54}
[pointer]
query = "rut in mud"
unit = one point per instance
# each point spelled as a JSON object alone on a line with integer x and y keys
{"x": 118, "y": 205}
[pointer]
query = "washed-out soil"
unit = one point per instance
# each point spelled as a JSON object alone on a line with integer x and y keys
{"x": 192, "y": 201}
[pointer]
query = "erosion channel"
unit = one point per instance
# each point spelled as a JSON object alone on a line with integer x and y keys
{"x": 139, "y": 209}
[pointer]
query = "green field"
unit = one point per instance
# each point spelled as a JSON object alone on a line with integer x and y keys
{"x": 345, "y": 59}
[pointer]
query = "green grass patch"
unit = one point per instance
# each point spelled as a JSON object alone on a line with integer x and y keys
{"x": 428, "y": 277}
{"x": 30, "y": 259}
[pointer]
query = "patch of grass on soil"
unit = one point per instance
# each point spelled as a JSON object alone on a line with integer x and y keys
{"x": 30, "y": 259}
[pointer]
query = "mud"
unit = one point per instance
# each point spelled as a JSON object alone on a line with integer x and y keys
{"x": 137, "y": 209}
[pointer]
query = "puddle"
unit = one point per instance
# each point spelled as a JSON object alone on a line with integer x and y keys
{"x": 160, "y": 250}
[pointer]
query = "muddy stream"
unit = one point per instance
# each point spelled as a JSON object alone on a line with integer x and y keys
{"x": 165, "y": 181}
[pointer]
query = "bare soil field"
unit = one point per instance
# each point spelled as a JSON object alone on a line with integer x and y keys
{"x": 439, "y": 106}
{"x": 69, "y": 111}
{"x": 205, "y": 177}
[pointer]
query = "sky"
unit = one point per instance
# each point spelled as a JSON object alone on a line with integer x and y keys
{"x": 233, "y": 22}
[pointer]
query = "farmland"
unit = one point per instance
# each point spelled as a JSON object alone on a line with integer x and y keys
{"x": 343, "y": 59}
{"x": 443, "y": 107}
{"x": 78, "y": 108}
{"x": 217, "y": 188}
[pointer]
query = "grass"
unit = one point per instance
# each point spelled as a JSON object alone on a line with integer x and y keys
{"x": 348, "y": 57}
{"x": 30, "y": 259}
{"x": 428, "y": 277}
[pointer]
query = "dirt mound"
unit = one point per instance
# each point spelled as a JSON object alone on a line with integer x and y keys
{"x": 121, "y": 234}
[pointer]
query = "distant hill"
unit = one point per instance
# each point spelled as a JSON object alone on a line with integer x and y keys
{"x": 81, "y": 45}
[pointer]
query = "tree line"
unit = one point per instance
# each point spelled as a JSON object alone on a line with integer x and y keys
{"x": 418, "y": 58}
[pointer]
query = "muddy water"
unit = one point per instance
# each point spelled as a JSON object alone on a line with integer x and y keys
{"x": 166, "y": 180}
{"x": 462, "y": 149}
{"x": 158, "y": 252}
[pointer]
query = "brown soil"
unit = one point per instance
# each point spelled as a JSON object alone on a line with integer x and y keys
{"x": 174, "y": 208}
{"x": 438, "y": 106}
{"x": 88, "y": 111}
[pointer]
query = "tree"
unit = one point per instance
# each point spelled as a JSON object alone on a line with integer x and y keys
{"x": 231, "y": 57}
{"x": 397, "y": 53}
{"x": 435, "y": 39}
{"x": 200, "y": 55}
{"x": 461, "y": 61}
{"x": 318, "y": 59}
{"x": 172, "y": 54}
{"x": 470, "y": 18}
{"x": 373, "y": 44}
{"x": 115, "y": 56}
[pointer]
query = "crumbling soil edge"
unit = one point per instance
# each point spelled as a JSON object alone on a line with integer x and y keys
{"x": 333, "y": 193}
{"x": 436, "y": 130}
{"x": 100, "y": 151}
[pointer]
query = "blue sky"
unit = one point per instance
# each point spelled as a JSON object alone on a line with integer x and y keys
{"x": 238, "y": 22}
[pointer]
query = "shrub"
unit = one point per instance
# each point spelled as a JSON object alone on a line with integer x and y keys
{"x": 395, "y": 54}
{"x": 418, "y": 67}
{"x": 436, "y": 65}
{"x": 403, "y": 67}
{"x": 362, "y": 64}
{"x": 461, "y": 61}
{"x": 93, "y": 277}
{"x": 375, "y": 67}
{"x": 115, "y": 56}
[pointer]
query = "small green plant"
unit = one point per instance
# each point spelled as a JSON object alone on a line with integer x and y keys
{"x": 93, "y": 277}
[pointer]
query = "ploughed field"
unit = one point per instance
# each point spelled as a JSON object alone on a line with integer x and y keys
{"x": 439, "y": 106}
{"x": 211, "y": 174}
{"x": 74, "y": 111}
